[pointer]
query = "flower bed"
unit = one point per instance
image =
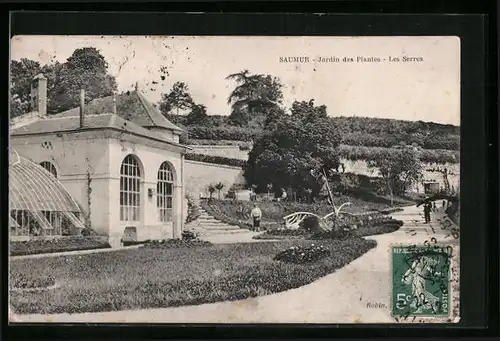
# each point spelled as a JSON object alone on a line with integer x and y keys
{"x": 344, "y": 232}
{"x": 303, "y": 255}
{"x": 24, "y": 281}
{"x": 63, "y": 244}
{"x": 176, "y": 243}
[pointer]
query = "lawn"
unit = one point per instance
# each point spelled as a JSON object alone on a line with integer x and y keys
{"x": 168, "y": 277}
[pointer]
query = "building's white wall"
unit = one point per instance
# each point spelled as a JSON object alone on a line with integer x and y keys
{"x": 199, "y": 175}
{"x": 78, "y": 155}
{"x": 150, "y": 159}
{"x": 75, "y": 157}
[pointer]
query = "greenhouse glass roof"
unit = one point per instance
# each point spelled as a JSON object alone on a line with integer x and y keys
{"x": 33, "y": 188}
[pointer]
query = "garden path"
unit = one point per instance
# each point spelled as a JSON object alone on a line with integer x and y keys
{"x": 357, "y": 293}
{"x": 77, "y": 252}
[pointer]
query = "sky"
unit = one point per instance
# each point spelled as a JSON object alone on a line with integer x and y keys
{"x": 427, "y": 90}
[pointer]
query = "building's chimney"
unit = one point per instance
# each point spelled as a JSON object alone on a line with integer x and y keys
{"x": 114, "y": 103}
{"x": 39, "y": 94}
{"x": 82, "y": 108}
{"x": 136, "y": 86}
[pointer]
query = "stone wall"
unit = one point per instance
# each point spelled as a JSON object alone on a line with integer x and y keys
{"x": 199, "y": 175}
{"x": 232, "y": 152}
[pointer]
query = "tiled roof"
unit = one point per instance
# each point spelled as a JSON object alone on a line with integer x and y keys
{"x": 131, "y": 105}
{"x": 72, "y": 123}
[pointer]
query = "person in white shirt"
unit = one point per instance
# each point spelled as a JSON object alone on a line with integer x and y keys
{"x": 256, "y": 216}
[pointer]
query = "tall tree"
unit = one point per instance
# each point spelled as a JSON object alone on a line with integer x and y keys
{"x": 307, "y": 111}
{"x": 198, "y": 115}
{"x": 177, "y": 98}
{"x": 254, "y": 96}
{"x": 292, "y": 152}
{"x": 86, "y": 68}
{"x": 400, "y": 167}
{"x": 21, "y": 74}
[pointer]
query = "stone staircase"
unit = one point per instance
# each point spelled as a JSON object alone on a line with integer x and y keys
{"x": 207, "y": 225}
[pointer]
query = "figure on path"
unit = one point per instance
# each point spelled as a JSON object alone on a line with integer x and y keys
{"x": 427, "y": 212}
{"x": 256, "y": 216}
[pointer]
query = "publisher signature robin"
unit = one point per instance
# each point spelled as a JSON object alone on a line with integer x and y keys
{"x": 377, "y": 305}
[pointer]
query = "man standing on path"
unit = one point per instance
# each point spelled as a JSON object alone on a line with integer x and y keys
{"x": 427, "y": 212}
{"x": 256, "y": 216}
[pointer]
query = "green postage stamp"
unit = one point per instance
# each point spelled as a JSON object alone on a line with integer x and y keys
{"x": 421, "y": 280}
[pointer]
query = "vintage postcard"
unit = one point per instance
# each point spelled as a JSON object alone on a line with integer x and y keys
{"x": 234, "y": 179}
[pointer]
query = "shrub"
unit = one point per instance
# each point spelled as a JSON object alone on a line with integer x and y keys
{"x": 303, "y": 255}
{"x": 188, "y": 235}
{"x": 193, "y": 209}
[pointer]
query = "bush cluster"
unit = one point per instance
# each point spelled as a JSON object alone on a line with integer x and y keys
{"x": 303, "y": 255}
{"x": 193, "y": 209}
{"x": 23, "y": 281}
{"x": 64, "y": 244}
{"x": 218, "y": 160}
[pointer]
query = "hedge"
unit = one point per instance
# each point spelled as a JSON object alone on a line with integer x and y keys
{"x": 223, "y": 133}
{"x": 218, "y": 160}
{"x": 439, "y": 156}
{"x": 244, "y": 145}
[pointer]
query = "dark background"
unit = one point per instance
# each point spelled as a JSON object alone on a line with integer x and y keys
{"x": 479, "y": 124}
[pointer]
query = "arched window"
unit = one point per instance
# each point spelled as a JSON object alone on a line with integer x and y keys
{"x": 164, "y": 192}
{"x": 50, "y": 167}
{"x": 130, "y": 189}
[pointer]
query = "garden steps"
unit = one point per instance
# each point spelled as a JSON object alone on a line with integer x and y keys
{"x": 207, "y": 225}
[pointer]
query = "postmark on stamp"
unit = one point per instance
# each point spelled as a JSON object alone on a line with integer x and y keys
{"x": 421, "y": 280}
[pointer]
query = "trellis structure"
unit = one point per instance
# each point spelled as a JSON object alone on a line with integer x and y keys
{"x": 39, "y": 204}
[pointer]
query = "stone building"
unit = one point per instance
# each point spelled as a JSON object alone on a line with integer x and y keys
{"x": 118, "y": 157}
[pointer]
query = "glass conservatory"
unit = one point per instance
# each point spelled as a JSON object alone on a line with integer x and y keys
{"x": 39, "y": 204}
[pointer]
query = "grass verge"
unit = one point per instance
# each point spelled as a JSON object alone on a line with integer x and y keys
{"x": 169, "y": 277}
{"x": 63, "y": 244}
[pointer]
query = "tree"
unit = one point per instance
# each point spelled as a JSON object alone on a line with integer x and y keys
{"x": 400, "y": 167}
{"x": 254, "y": 97}
{"x": 292, "y": 151}
{"x": 219, "y": 186}
{"x": 307, "y": 111}
{"x": 178, "y": 98}
{"x": 22, "y": 73}
{"x": 85, "y": 69}
{"x": 197, "y": 116}
{"x": 211, "y": 190}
